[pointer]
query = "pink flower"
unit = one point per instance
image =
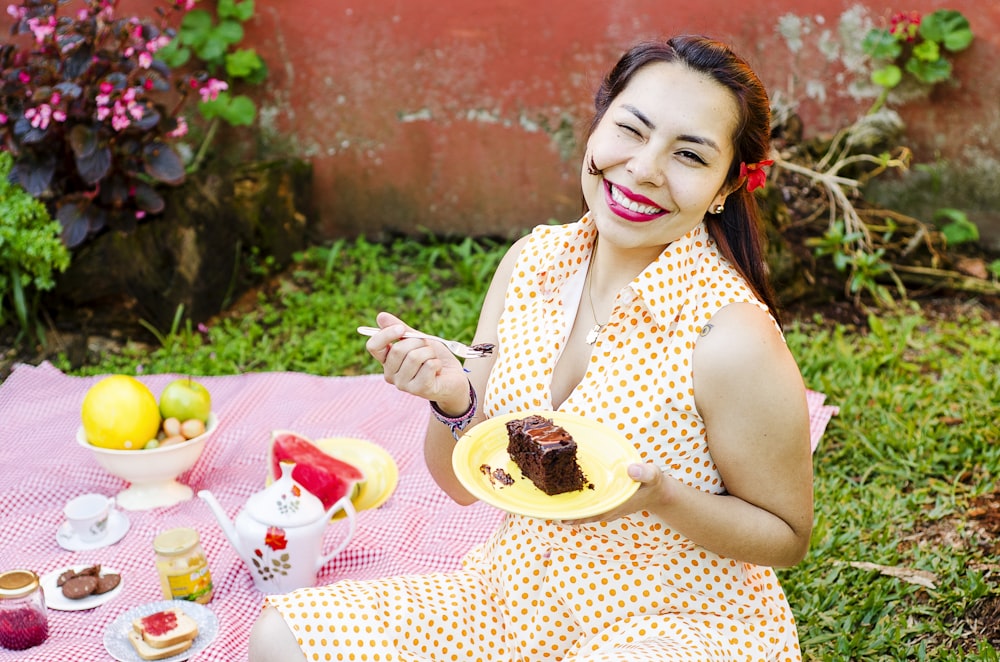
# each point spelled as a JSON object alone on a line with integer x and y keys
{"x": 39, "y": 116}
{"x": 140, "y": 214}
{"x": 756, "y": 177}
{"x": 82, "y": 15}
{"x": 145, "y": 59}
{"x": 24, "y": 77}
{"x": 186, "y": 5}
{"x": 107, "y": 88}
{"x": 904, "y": 25}
{"x": 17, "y": 12}
{"x": 181, "y": 130}
{"x": 40, "y": 29}
{"x": 119, "y": 122}
{"x": 154, "y": 45}
{"x": 102, "y": 113}
{"x": 3, "y": 118}
{"x": 210, "y": 90}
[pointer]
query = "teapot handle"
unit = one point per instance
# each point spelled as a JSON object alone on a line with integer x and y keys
{"x": 348, "y": 508}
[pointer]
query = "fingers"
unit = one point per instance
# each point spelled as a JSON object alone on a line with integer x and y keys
{"x": 645, "y": 473}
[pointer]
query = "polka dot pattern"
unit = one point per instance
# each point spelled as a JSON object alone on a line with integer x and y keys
{"x": 629, "y": 589}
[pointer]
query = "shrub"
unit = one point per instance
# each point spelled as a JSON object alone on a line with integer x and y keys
{"x": 92, "y": 114}
{"x": 30, "y": 253}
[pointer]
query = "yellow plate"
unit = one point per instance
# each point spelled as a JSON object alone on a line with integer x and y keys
{"x": 379, "y": 469}
{"x": 603, "y": 455}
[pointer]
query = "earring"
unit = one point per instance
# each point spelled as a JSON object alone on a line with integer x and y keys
{"x": 717, "y": 209}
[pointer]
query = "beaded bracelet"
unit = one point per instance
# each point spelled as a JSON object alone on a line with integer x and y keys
{"x": 457, "y": 423}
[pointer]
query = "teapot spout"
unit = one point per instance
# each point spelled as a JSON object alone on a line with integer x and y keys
{"x": 225, "y": 523}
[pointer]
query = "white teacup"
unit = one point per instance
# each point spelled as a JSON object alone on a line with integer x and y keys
{"x": 88, "y": 515}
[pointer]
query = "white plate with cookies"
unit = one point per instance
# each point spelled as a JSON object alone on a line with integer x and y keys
{"x": 125, "y": 642}
{"x": 63, "y": 591}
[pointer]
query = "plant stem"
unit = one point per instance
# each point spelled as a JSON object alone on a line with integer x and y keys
{"x": 213, "y": 126}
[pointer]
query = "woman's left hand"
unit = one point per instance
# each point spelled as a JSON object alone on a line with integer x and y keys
{"x": 650, "y": 492}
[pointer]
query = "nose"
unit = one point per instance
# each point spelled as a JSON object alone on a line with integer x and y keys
{"x": 646, "y": 166}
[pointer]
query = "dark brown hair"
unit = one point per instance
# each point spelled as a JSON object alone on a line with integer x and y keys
{"x": 738, "y": 230}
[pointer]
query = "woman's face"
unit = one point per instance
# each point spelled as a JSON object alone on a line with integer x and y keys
{"x": 663, "y": 148}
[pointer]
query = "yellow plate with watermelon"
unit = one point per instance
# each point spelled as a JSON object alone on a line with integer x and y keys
{"x": 335, "y": 466}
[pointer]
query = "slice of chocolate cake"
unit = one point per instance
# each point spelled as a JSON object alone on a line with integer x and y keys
{"x": 545, "y": 453}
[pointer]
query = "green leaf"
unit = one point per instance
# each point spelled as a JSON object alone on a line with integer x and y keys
{"x": 948, "y": 27}
{"x": 888, "y": 76}
{"x": 211, "y": 50}
{"x": 174, "y": 54}
{"x": 995, "y": 268}
{"x": 243, "y": 63}
{"x": 240, "y": 111}
{"x": 958, "y": 229}
{"x": 928, "y": 51}
{"x": 229, "y": 32}
{"x": 881, "y": 45}
{"x": 241, "y": 11}
{"x": 930, "y": 72}
{"x": 195, "y": 27}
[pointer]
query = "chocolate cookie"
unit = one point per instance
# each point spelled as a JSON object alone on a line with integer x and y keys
{"x": 69, "y": 574}
{"x": 79, "y": 586}
{"x": 106, "y": 583}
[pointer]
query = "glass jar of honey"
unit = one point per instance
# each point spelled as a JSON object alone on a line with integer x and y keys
{"x": 182, "y": 566}
{"x": 24, "y": 620}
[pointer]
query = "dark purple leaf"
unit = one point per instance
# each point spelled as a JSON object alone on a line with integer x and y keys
{"x": 26, "y": 133}
{"x": 115, "y": 191}
{"x": 33, "y": 175}
{"x": 150, "y": 118}
{"x": 83, "y": 140}
{"x": 163, "y": 163}
{"x": 147, "y": 199}
{"x": 75, "y": 223}
{"x": 94, "y": 166}
{"x": 69, "y": 89}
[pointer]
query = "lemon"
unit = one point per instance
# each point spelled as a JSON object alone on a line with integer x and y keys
{"x": 121, "y": 413}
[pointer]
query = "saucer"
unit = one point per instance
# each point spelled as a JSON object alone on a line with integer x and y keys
{"x": 118, "y": 525}
{"x": 54, "y": 598}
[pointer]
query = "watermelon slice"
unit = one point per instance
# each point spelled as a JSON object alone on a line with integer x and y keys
{"x": 325, "y": 476}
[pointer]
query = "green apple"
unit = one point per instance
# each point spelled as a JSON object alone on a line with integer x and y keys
{"x": 185, "y": 399}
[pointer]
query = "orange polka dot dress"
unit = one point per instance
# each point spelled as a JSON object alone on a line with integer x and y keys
{"x": 627, "y": 590}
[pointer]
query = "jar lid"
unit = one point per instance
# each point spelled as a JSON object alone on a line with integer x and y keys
{"x": 175, "y": 541}
{"x": 17, "y": 583}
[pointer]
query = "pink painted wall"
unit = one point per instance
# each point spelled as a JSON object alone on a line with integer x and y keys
{"x": 467, "y": 115}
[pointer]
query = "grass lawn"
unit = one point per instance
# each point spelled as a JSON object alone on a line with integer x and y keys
{"x": 905, "y": 557}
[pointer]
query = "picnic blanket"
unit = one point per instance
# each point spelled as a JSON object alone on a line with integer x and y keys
{"x": 419, "y": 529}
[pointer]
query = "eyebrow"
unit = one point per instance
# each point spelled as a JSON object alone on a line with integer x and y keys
{"x": 641, "y": 116}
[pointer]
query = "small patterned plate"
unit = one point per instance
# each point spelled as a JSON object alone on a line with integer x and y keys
{"x": 116, "y": 636}
{"x": 603, "y": 455}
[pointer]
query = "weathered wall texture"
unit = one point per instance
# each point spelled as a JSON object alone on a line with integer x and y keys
{"x": 467, "y": 115}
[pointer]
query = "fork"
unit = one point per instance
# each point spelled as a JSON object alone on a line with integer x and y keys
{"x": 459, "y": 349}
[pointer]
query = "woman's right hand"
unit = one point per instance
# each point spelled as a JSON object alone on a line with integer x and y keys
{"x": 419, "y": 366}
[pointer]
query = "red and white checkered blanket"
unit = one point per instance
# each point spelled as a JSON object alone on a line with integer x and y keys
{"x": 417, "y": 530}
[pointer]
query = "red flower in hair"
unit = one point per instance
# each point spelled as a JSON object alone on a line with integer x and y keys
{"x": 756, "y": 177}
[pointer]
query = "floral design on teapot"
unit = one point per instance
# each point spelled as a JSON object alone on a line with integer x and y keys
{"x": 270, "y": 566}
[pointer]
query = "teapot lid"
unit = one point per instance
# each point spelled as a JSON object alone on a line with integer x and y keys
{"x": 284, "y": 502}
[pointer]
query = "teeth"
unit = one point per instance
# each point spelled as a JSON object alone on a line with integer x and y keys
{"x": 632, "y": 205}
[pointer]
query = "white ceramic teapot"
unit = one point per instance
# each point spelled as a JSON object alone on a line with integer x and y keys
{"x": 279, "y": 533}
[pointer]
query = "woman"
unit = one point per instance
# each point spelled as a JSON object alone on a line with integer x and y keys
{"x": 653, "y": 315}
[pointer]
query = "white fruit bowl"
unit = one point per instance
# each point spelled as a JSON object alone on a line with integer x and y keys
{"x": 152, "y": 473}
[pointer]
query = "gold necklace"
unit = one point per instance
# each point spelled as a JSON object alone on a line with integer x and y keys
{"x": 595, "y": 332}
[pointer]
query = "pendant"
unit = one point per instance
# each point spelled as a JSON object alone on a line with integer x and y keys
{"x": 593, "y": 334}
